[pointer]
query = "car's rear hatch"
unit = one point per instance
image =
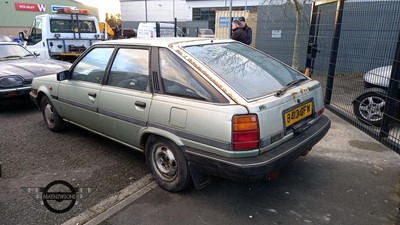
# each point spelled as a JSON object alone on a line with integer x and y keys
{"x": 285, "y": 116}
{"x": 284, "y": 101}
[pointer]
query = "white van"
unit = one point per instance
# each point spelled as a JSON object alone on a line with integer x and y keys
{"x": 148, "y": 30}
{"x": 63, "y": 35}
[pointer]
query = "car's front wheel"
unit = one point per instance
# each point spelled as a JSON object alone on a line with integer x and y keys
{"x": 369, "y": 107}
{"x": 167, "y": 163}
{"x": 53, "y": 121}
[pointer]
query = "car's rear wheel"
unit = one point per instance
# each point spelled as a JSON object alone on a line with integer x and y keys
{"x": 167, "y": 163}
{"x": 53, "y": 121}
{"x": 369, "y": 107}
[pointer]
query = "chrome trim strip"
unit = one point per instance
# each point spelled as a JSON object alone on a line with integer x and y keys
{"x": 194, "y": 137}
{"x": 15, "y": 89}
{"x": 101, "y": 134}
{"x": 78, "y": 104}
{"x": 264, "y": 162}
{"x": 273, "y": 145}
{"x": 265, "y": 148}
{"x": 123, "y": 117}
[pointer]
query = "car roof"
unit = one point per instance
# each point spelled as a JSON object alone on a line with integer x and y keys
{"x": 5, "y": 38}
{"x": 8, "y": 43}
{"x": 160, "y": 42}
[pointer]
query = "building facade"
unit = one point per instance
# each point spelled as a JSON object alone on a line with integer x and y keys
{"x": 17, "y": 15}
{"x": 273, "y": 25}
{"x": 189, "y": 13}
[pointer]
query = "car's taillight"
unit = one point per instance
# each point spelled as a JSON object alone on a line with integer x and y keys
{"x": 245, "y": 132}
{"x": 321, "y": 111}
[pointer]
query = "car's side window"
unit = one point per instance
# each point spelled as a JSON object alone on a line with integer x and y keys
{"x": 178, "y": 78}
{"x": 92, "y": 67}
{"x": 130, "y": 69}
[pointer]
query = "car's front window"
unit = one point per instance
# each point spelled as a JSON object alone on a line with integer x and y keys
{"x": 92, "y": 67}
{"x": 13, "y": 51}
{"x": 250, "y": 72}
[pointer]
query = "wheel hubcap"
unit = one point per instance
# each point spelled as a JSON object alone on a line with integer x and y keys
{"x": 48, "y": 114}
{"x": 165, "y": 162}
{"x": 371, "y": 108}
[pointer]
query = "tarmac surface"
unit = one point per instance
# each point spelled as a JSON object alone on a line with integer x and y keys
{"x": 31, "y": 156}
{"x": 348, "y": 178}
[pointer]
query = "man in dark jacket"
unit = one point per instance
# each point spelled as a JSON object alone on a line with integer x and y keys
{"x": 247, "y": 29}
{"x": 238, "y": 33}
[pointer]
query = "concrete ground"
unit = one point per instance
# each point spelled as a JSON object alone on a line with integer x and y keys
{"x": 348, "y": 178}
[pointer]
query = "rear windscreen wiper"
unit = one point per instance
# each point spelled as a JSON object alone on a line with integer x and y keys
{"x": 11, "y": 56}
{"x": 282, "y": 91}
{"x": 27, "y": 55}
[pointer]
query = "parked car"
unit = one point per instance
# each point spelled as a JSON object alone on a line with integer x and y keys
{"x": 206, "y": 33}
{"x": 128, "y": 33}
{"x": 195, "y": 107}
{"x": 149, "y": 30}
{"x": 18, "y": 67}
{"x": 5, "y": 38}
{"x": 369, "y": 105}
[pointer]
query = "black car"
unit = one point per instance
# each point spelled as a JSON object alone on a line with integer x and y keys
{"x": 18, "y": 67}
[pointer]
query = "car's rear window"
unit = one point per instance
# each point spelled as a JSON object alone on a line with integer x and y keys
{"x": 250, "y": 72}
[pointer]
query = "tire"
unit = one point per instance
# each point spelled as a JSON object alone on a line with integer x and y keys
{"x": 167, "y": 163}
{"x": 369, "y": 107}
{"x": 53, "y": 121}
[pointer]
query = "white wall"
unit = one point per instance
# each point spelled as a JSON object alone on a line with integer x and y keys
{"x": 224, "y": 3}
{"x": 162, "y": 10}
{"x": 156, "y": 11}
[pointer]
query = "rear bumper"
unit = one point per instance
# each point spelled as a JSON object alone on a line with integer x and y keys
{"x": 260, "y": 167}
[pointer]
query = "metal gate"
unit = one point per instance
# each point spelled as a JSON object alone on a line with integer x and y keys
{"x": 354, "y": 51}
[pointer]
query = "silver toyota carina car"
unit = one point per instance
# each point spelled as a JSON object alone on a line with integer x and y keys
{"x": 195, "y": 107}
{"x": 18, "y": 67}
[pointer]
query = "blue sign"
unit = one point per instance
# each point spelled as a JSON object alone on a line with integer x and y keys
{"x": 54, "y": 8}
{"x": 224, "y": 21}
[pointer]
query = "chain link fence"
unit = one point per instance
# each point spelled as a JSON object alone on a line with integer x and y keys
{"x": 353, "y": 51}
{"x": 352, "y": 48}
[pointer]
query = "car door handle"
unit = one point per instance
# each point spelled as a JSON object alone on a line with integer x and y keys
{"x": 92, "y": 94}
{"x": 140, "y": 104}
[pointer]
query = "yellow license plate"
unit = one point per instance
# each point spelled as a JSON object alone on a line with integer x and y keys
{"x": 297, "y": 114}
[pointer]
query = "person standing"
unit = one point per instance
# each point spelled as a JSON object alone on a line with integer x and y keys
{"x": 238, "y": 33}
{"x": 247, "y": 29}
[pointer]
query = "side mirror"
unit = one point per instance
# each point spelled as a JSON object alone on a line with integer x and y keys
{"x": 63, "y": 75}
